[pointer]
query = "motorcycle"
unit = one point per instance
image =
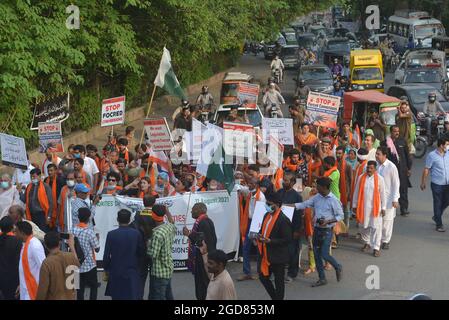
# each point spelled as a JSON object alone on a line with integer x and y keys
{"x": 274, "y": 111}
{"x": 437, "y": 127}
{"x": 206, "y": 114}
{"x": 276, "y": 74}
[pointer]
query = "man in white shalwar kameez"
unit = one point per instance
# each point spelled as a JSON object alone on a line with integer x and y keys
{"x": 369, "y": 205}
{"x": 389, "y": 172}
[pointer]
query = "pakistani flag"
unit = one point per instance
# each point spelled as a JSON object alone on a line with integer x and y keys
{"x": 166, "y": 78}
{"x": 212, "y": 163}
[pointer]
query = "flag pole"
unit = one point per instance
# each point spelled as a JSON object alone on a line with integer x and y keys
{"x": 148, "y": 112}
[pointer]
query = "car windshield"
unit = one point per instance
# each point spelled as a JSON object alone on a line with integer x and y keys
{"x": 315, "y": 74}
{"x": 338, "y": 46}
{"x": 305, "y": 42}
{"x": 367, "y": 74}
{"x": 254, "y": 116}
{"x": 290, "y": 37}
{"x": 318, "y": 31}
{"x": 422, "y": 76}
{"x": 418, "y": 96}
{"x": 389, "y": 115}
{"x": 289, "y": 51}
{"x": 229, "y": 89}
{"x": 428, "y": 30}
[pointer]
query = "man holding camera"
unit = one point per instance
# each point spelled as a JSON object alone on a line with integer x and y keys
{"x": 203, "y": 230}
{"x": 328, "y": 211}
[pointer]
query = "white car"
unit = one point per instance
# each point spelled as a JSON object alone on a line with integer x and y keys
{"x": 399, "y": 73}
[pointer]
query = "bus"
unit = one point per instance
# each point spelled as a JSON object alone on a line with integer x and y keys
{"x": 416, "y": 24}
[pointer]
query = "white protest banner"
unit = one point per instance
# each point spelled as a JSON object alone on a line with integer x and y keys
{"x": 50, "y": 137}
{"x": 192, "y": 141}
{"x": 280, "y": 128}
{"x": 14, "y": 153}
{"x": 158, "y": 133}
{"x": 322, "y": 110}
{"x": 222, "y": 208}
{"x": 275, "y": 152}
{"x": 113, "y": 111}
{"x": 259, "y": 213}
{"x": 238, "y": 139}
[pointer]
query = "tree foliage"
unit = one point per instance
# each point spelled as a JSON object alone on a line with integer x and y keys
{"x": 118, "y": 47}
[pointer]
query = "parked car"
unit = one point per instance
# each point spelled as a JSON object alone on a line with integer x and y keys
{"x": 318, "y": 77}
{"x": 289, "y": 56}
{"x": 417, "y": 95}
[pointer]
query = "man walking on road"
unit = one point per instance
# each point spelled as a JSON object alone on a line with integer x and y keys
{"x": 437, "y": 165}
{"x": 369, "y": 205}
{"x": 389, "y": 172}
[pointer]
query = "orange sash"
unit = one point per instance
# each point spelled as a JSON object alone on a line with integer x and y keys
{"x": 361, "y": 199}
{"x": 313, "y": 168}
{"x": 265, "y": 264}
{"x": 142, "y": 194}
{"x": 55, "y": 200}
{"x": 151, "y": 174}
{"x": 310, "y": 140}
{"x": 42, "y": 198}
{"x": 357, "y": 174}
{"x": 330, "y": 171}
{"x": 278, "y": 179}
{"x": 291, "y": 167}
{"x": 244, "y": 212}
{"x": 343, "y": 194}
{"x": 30, "y": 281}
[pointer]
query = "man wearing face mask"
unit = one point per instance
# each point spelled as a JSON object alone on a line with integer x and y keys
{"x": 9, "y": 195}
{"x": 67, "y": 194}
{"x": 38, "y": 201}
{"x": 82, "y": 201}
{"x": 111, "y": 186}
{"x": 431, "y": 109}
{"x": 90, "y": 167}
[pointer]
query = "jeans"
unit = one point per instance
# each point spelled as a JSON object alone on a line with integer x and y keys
{"x": 88, "y": 279}
{"x": 440, "y": 196}
{"x": 293, "y": 265}
{"x": 160, "y": 289}
{"x": 322, "y": 238}
{"x": 246, "y": 250}
{"x": 275, "y": 292}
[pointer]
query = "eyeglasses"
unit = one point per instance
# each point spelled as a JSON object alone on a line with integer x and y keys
{"x": 112, "y": 180}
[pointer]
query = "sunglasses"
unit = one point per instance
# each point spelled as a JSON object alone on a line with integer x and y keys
{"x": 112, "y": 180}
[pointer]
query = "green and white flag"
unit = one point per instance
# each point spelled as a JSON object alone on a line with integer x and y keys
{"x": 166, "y": 78}
{"x": 212, "y": 160}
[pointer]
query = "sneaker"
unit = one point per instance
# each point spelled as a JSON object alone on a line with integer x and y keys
{"x": 441, "y": 229}
{"x": 245, "y": 277}
{"x": 241, "y": 259}
{"x": 385, "y": 246}
{"x": 338, "y": 273}
{"x": 319, "y": 283}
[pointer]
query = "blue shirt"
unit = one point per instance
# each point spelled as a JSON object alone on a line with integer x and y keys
{"x": 439, "y": 167}
{"x": 328, "y": 207}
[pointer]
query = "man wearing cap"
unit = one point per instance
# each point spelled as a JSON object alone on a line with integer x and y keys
{"x": 362, "y": 159}
{"x": 160, "y": 251}
{"x": 183, "y": 120}
{"x": 82, "y": 201}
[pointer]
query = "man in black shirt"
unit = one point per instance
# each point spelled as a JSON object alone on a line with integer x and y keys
{"x": 183, "y": 120}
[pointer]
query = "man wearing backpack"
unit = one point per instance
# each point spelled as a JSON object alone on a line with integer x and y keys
{"x": 89, "y": 244}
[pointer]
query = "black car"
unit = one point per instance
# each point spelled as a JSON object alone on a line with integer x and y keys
{"x": 269, "y": 50}
{"x": 339, "y": 48}
{"x": 417, "y": 95}
{"x": 306, "y": 39}
{"x": 429, "y": 76}
{"x": 318, "y": 77}
{"x": 289, "y": 56}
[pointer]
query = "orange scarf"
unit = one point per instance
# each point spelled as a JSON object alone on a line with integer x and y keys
{"x": 308, "y": 226}
{"x": 291, "y": 167}
{"x": 361, "y": 200}
{"x": 42, "y": 198}
{"x": 330, "y": 171}
{"x": 309, "y": 140}
{"x": 30, "y": 281}
{"x": 244, "y": 212}
{"x": 313, "y": 168}
{"x": 126, "y": 155}
{"x": 151, "y": 174}
{"x": 142, "y": 194}
{"x": 358, "y": 172}
{"x": 343, "y": 194}
{"x": 83, "y": 175}
{"x": 55, "y": 200}
{"x": 265, "y": 264}
{"x": 278, "y": 179}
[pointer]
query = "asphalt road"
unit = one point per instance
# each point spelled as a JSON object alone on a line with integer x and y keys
{"x": 416, "y": 261}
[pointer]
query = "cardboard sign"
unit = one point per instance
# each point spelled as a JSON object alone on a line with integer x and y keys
{"x": 14, "y": 153}
{"x": 259, "y": 213}
{"x": 275, "y": 152}
{"x": 50, "y": 137}
{"x": 280, "y": 128}
{"x": 158, "y": 134}
{"x": 247, "y": 94}
{"x": 113, "y": 111}
{"x": 51, "y": 109}
{"x": 238, "y": 139}
{"x": 322, "y": 110}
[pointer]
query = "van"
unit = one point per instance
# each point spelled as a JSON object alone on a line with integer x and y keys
{"x": 366, "y": 70}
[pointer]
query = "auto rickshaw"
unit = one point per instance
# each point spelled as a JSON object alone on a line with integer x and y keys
{"x": 230, "y": 85}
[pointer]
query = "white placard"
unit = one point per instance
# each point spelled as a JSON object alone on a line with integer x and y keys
{"x": 14, "y": 153}
{"x": 238, "y": 139}
{"x": 259, "y": 213}
{"x": 158, "y": 133}
{"x": 280, "y": 128}
{"x": 113, "y": 111}
{"x": 275, "y": 152}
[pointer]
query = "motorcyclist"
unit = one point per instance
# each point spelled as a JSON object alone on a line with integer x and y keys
{"x": 204, "y": 98}
{"x": 273, "y": 97}
{"x": 303, "y": 55}
{"x": 312, "y": 57}
{"x": 338, "y": 91}
{"x": 270, "y": 81}
{"x": 389, "y": 54}
{"x": 302, "y": 91}
{"x": 277, "y": 64}
{"x": 431, "y": 109}
{"x": 184, "y": 105}
{"x": 337, "y": 68}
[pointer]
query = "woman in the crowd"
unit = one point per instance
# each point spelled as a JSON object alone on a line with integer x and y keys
{"x": 139, "y": 188}
{"x": 9, "y": 195}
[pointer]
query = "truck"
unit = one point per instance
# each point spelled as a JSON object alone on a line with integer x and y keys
{"x": 366, "y": 70}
